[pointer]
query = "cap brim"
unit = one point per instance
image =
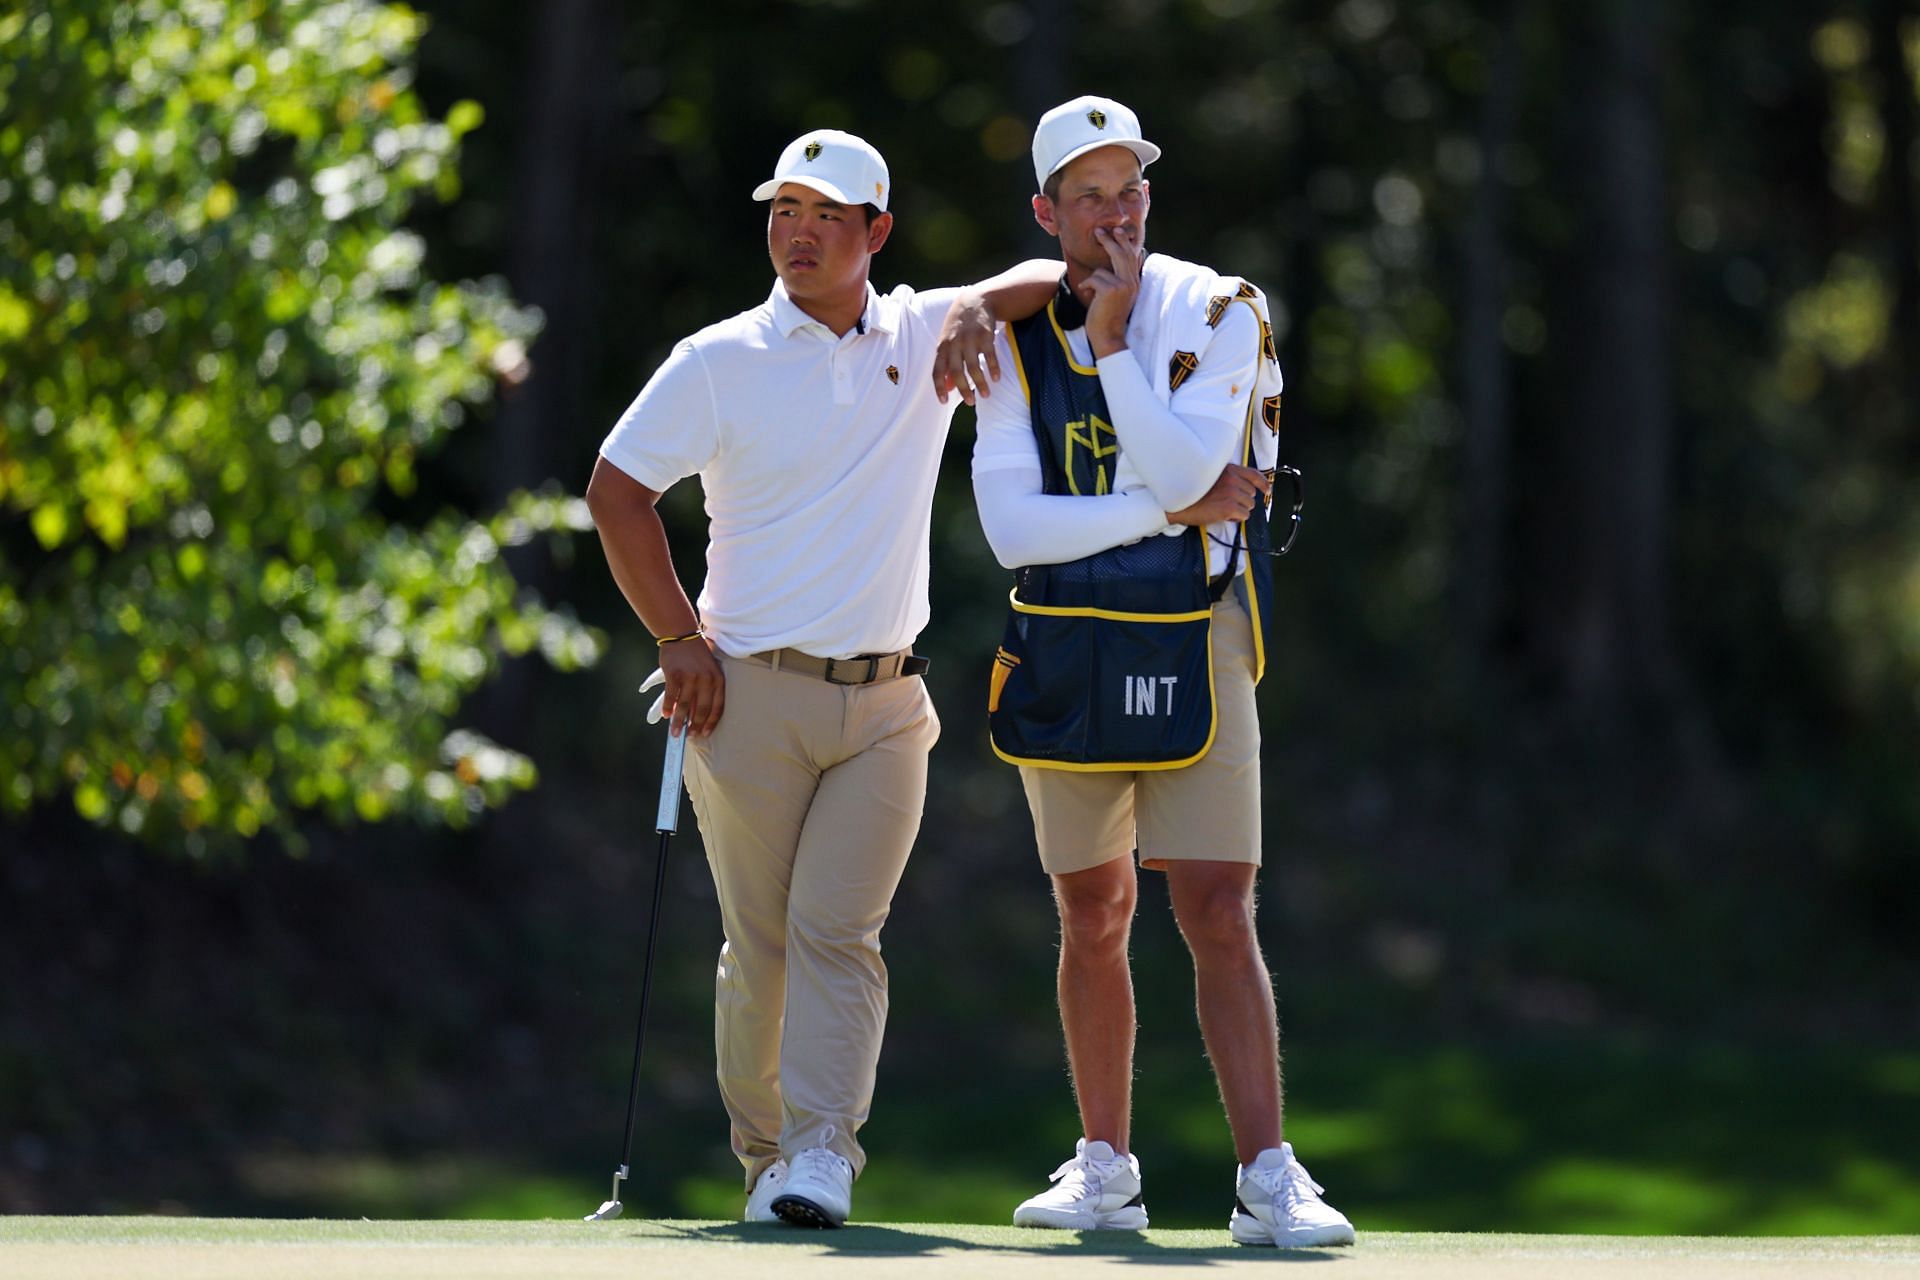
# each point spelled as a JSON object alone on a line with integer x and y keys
{"x": 1146, "y": 152}
{"x": 771, "y": 187}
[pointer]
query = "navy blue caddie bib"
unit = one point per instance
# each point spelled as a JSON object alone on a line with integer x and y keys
{"x": 1106, "y": 662}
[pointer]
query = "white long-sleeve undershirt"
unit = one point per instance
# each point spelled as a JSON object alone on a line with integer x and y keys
{"x": 1168, "y": 460}
{"x": 1178, "y": 457}
{"x": 1027, "y": 526}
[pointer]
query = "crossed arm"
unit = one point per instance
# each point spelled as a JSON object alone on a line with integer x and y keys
{"x": 1184, "y": 462}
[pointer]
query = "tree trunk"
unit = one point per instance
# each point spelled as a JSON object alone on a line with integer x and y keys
{"x": 573, "y": 64}
{"x": 1903, "y": 222}
{"x": 1482, "y": 588}
{"x": 1600, "y": 625}
{"x": 552, "y": 262}
{"x": 1042, "y": 62}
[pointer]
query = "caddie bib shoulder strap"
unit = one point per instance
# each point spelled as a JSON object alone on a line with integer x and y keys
{"x": 1078, "y": 448}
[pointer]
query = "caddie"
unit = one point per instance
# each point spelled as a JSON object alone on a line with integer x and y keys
{"x": 1128, "y": 485}
{"x": 815, "y": 427}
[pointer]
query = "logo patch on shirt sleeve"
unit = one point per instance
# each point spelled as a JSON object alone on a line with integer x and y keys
{"x": 893, "y": 374}
{"x": 1270, "y": 413}
{"x": 1216, "y": 307}
{"x": 1182, "y": 364}
{"x": 1266, "y": 342}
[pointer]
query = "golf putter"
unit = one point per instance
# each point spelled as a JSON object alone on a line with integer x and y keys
{"x": 668, "y": 819}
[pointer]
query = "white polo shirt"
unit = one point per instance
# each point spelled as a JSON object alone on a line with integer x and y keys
{"x": 817, "y": 455}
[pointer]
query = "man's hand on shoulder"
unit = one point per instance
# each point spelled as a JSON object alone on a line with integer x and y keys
{"x": 965, "y": 360}
{"x": 1231, "y": 498}
{"x": 696, "y": 690}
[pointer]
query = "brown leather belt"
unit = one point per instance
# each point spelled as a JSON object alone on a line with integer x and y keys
{"x": 868, "y": 668}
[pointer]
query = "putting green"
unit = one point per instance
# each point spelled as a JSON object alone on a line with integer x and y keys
{"x": 35, "y": 1248}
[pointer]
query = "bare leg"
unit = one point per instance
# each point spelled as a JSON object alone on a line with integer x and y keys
{"x": 1213, "y": 902}
{"x": 1096, "y": 994}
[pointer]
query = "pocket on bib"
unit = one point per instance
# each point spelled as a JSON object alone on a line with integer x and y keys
{"x": 1089, "y": 689}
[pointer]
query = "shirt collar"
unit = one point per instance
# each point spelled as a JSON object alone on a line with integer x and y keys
{"x": 881, "y": 313}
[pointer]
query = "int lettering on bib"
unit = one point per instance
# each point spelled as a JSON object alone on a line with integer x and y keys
{"x": 1142, "y": 694}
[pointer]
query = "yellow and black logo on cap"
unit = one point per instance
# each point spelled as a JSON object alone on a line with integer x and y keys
{"x": 813, "y": 150}
{"x": 1182, "y": 364}
{"x": 1097, "y": 118}
{"x": 893, "y": 374}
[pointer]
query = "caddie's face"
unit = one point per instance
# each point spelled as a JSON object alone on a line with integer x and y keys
{"x": 820, "y": 247}
{"x": 1101, "y": 189}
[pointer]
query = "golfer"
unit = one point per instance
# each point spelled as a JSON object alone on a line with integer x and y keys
{"x": 816, "y": 432}
{"x": 1130, "y": 466}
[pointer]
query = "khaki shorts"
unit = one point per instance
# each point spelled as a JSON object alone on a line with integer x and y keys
{"x": 1208, "y": 810}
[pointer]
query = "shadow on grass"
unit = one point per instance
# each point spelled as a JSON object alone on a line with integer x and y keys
{"x": 897, "y": 1241}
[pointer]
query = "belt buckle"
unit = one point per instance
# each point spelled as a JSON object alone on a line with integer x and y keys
{"x": 873, "y": 669}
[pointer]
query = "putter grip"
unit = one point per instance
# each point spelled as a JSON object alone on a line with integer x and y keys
{"x": 669, "y": 817}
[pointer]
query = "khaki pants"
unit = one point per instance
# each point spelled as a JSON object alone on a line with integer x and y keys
{"x": 809, "y": 796}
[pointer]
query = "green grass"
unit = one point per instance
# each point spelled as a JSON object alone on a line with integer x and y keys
{"x": 898, "y": 1239}
{"x": 1551, "y": 1137}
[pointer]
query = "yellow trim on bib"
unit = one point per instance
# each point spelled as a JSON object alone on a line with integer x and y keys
{"x": 1151, "y": 766}
{"x": 1116, "y": 615}
{"x": 1253, "y": 615}
{"x": 1003, "y": 665}
{"x": 1061, "y": 334}
{"x": 1013, "y": 345}
{"x": 1246, "y": 460}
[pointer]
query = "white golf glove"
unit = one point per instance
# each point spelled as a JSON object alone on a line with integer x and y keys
{"x": 658, "y": 709}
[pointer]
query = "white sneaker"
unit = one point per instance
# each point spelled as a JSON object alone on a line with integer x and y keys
{"x": 818, "y": 1190}
{"x": 765, "y": 1188}
{"x": 1098, "y": 1189}
{"x": 1278, "y": 1203}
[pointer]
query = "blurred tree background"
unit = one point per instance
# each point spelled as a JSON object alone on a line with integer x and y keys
{"x": 1593, "y": 760}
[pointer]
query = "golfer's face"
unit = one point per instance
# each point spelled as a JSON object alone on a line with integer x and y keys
{"x": 818, "y": 245}
{"x": 1102, "y": 188}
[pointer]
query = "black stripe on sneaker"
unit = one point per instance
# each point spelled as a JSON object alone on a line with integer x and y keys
{"x": 1241, "y": 1205}
{"x": 1138, "y": 1202}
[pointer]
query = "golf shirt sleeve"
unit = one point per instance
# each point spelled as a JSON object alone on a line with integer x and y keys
{"x": 1180, "y": 450}
{"x": 671, "y": 430}
{"x": 927, "y": 307}
{"x": 1023, "y": 524}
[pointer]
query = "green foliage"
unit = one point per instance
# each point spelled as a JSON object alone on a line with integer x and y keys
{"x": 222, "y": 367}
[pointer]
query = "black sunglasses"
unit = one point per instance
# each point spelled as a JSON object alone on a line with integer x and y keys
{"x": 1293, "y": 531}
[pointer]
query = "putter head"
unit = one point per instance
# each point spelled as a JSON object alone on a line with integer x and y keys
{"x": 610, "y": 1208}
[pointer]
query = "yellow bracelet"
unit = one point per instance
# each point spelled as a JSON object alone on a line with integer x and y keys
{"x": 694, "y": 634}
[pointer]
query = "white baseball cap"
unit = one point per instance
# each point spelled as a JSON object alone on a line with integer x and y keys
{"x": 837, "y": 165}
{"x": 1074, "y": 128}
